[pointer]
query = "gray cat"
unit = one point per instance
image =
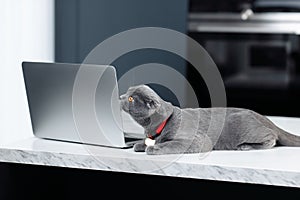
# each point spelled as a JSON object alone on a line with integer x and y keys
{"x": 178, "y": 130}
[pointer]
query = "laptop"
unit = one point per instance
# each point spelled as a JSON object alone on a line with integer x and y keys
{"x": 76, "y": 103}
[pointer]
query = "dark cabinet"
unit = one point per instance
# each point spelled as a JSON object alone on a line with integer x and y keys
{"x": 80, "y": 25}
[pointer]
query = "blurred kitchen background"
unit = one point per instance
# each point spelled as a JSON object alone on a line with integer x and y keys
{"x": 254, "y": 43}
{"x": 256, "y": 46}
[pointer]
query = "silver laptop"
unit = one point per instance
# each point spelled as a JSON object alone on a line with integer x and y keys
{"x": 76, "y": 103}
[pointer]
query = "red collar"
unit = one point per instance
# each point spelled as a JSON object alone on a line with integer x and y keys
{"x": 158, "y": 130}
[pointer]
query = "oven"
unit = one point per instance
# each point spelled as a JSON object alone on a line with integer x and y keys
{"x": 256, "y": 46}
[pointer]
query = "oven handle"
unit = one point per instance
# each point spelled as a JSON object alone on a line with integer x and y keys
{"x": 236, "y": 27}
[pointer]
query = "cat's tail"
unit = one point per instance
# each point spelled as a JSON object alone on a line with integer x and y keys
{"x": 287, "y": 139}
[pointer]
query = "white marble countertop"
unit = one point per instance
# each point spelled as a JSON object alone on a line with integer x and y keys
{"x": 278, "y": 166}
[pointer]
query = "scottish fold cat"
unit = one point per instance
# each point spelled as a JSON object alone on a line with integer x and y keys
{"x": 171, "y": 130}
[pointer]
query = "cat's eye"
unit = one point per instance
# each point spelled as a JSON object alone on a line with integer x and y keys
{"x": 130, "y": 99}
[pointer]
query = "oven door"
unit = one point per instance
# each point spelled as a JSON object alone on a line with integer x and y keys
{"x": 257, "y": 57}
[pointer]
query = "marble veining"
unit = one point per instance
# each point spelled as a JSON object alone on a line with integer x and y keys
{"x": 278, "y": 166}
{"x": 150, "y": 165}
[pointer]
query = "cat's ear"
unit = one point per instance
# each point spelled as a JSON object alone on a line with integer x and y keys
{"x": 152, "y": 104}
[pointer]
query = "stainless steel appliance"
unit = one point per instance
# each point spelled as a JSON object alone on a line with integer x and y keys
{"x": 256, "y": 45}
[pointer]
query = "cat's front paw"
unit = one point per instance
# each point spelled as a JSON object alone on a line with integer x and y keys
{"x": 244, "y": 147}
{"x": 152, "y": 150}
{"x": 139, "y": 147}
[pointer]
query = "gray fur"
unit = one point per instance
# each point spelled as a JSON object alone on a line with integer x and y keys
{"x": 186, "y": 129}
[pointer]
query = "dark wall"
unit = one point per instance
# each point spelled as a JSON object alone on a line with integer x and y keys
{"x": 83, "y": 24}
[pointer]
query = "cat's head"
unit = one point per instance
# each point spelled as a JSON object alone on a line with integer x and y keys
{"x": 140, "y": 101}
